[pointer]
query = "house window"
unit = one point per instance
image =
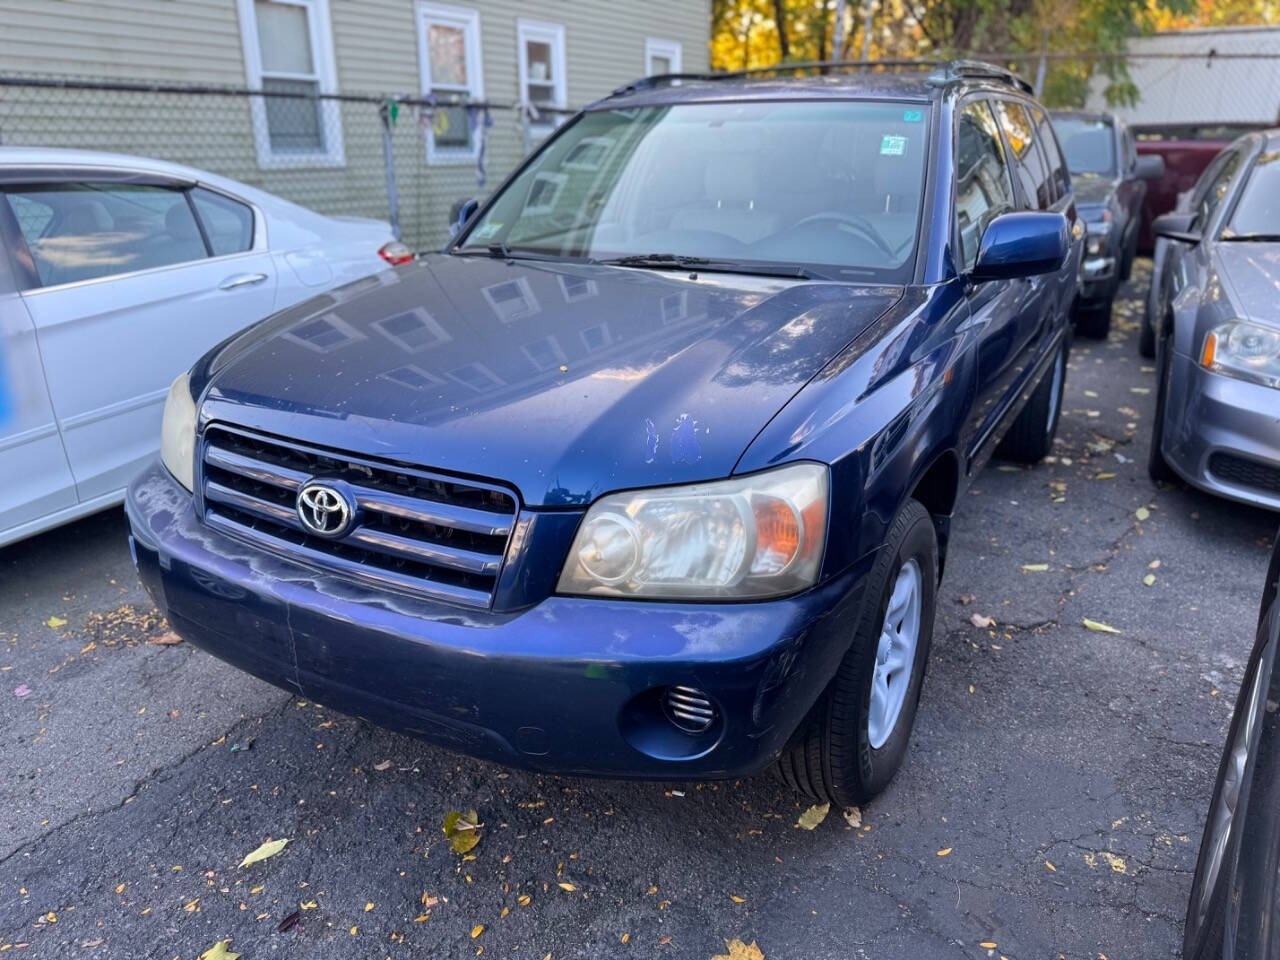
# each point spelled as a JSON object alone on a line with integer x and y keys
{"x": 476, "y": 376}
{"x": 324, "y": 334}
{"x": 576, "y": 288}
{"x": 597, "y": 337}
{"x": 661, "y": 56}
{"x": 413, "y": 377}
{"x": 449, "y": 63}
{"x": 540, "y": 52}
{"x": 545, "y": 354}
{"x": 511, "y": 299}
{"x": 413, "y": 330}
{"x": 288, "y": 51}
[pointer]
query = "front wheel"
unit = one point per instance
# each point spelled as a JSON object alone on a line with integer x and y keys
{"x": 1030, "y": 438}
{"x": 1157, "y": 466}
{"x": 1094, "y": 322}
{"x": 855, "y": 737}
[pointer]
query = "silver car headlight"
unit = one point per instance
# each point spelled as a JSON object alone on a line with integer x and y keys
{"x": 750, "y": 537}
{"x": 1246, "y": 351}
{"x": 1096, "y": 240}
{"x": 178, "y": 432}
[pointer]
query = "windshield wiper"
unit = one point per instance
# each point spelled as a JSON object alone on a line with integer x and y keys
{"x": 1255, "y": 237}
{"x": 716, "y": 266}
{"x": 500, "y": 250}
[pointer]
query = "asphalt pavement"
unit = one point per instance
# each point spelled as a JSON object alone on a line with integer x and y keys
{"x": 1050, "y": 805}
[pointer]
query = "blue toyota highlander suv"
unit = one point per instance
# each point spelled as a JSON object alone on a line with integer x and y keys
{"x": 648, "y": 473}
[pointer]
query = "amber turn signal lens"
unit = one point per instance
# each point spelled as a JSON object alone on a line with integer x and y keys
{"x": 1210, "y": 350}
{"x": 777, "y": 532}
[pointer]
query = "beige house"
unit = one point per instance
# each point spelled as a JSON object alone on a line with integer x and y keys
{"x": 526, "y": 60}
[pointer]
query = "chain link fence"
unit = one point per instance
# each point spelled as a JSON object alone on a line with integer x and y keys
{"x": 340, "y": 154}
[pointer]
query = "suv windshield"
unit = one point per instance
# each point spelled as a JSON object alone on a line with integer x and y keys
{"x": 1090, "y": 145}
{"x": 1257, "y": 212}
{"x": 831, "y": 189}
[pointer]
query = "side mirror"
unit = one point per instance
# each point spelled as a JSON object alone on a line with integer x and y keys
{"x": 1022, "y": 244}
{"x": 1176, "y": 225}
{"x": 1149, "y": 167}
{"x": 461, "y": 212}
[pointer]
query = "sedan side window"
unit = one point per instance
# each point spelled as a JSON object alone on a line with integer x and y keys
{"x": 1049, "y": 142}
{"x": 983, "y": 188}
{"x": 227, "y": 223}
{"x": 95, "y": 230}
{"x": 1028, "y": 164}
{"x": 1215, "y": 190}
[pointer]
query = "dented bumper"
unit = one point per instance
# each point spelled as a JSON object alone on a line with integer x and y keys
{"x": 568, "y": 684}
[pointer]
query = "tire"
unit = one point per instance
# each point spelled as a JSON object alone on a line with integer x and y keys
{"x": 1146, "y": 339}
{"x": 1157, "y": 466}
{"x": 1130, "y": 252}
{"x": 1094, "y": 321}
{"x": 833, "y": 758}
{"x": 1030, "y": 437}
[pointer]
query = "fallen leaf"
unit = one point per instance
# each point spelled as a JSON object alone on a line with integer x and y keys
{"x": 1142, "y": 513}
{"x": 368, "y": 906}
{"x": 477, "y": 930}
{"x": 22, "y": 691}
{"x": 191, "y": 906}
{"x": 309, "y": 905}
{"x": 1097, "y": 627}
{"x": 853, "y": 816}
{"x": 740, "y": 951}
{"x": 981, "y": 622}
{"x": 1153, "y": 565}
{"x": 120, "y": 888}
{"x": 567, "y": 887}
{"x": 1034, "y": 567}
{"x": 1050, "y": 867}
{"x": 165, "y": 639}
{"x": 524, "y": 899}
{"x": 988, "y": 944}
{"x": 55, "y": 622}
{"x": 219, "y": 951}
{"x": 737, "y": 899}
{"x": 1149, "y": 579}
{"x": 813, "y": 816}
{"x": 463, "y": 830}
{"x": 966, "y": 598}
{"x": 1105, "y": 476}
{"x": 945, "y": 851}
{"x": 384, "y": 765}
{"x": 625, "y": 937}
{"x": 289, "y": 922}
{"x": 268, "y": 849}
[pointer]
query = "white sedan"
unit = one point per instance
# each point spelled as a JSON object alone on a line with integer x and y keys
{"x": 116, "y": 273}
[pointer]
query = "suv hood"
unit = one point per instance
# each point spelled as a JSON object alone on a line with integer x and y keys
{"x": 564, "y": 380}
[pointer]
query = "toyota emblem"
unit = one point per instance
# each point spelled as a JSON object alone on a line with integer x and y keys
{"x": 324, "y": 509}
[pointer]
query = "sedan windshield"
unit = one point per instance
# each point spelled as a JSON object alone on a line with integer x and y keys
{"x": 796, "y": 188}
{"x": 1089, "y": 144}
{"x": 1257, "y": 212}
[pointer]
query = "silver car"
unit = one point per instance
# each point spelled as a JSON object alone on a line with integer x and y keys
{"x": 1217, "y": 326}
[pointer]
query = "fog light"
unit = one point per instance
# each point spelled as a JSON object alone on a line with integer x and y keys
{"x": 689, "y": 709}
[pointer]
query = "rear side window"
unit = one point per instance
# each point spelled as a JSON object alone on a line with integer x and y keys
{"x": 227, "y": 223}
{"x": 84, "y": 231}
{"x": 1028, "y": 165}
{"x": 1049, "y": 143}
{"x": 983, "y": 188}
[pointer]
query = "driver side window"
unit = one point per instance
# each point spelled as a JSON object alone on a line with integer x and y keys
{"x": 1215, "y": 188}
{"x": 983, "y": 188}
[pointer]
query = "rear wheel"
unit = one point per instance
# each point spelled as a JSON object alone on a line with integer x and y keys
{"x": 1031, "y": 436}
{"x": 1094, "y": 321}
{"x": 1146, "y": 339}
{"x": 855, "y": 737}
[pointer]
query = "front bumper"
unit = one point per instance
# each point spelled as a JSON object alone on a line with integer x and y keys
{"x": 568, "y": 685}
{"x": 1099, "y": 277}
{"x": 1223, "y": 435}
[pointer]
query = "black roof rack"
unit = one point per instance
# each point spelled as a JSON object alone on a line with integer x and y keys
{"x": 943, "y": 72}
{"x": 977, "y": 70}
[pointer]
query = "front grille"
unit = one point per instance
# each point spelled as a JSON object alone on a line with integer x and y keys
{"x": 1244, "y": 473}
{"x": 415, "y": 531}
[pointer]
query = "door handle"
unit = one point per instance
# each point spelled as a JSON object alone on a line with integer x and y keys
{"x": 241, "y": 280}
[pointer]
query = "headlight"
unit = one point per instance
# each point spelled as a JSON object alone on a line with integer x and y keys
{"x": 749, "y": 537}
{"x": 1243, "y": 350}
{"x": 178, "y": 432}
{"x": 1098, "y": 233}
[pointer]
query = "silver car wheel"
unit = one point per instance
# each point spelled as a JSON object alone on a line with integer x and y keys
{"x": 1222, "y": 816}
{"x": 895, "y": 654}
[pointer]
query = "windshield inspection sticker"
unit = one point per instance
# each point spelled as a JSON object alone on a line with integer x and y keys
{"x": 892, "y": 146}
